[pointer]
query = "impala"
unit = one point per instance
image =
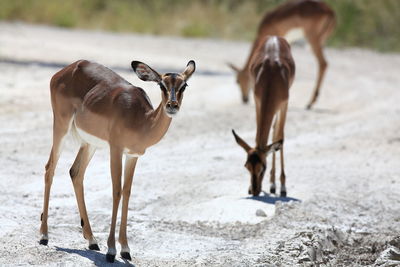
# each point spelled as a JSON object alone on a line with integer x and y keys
{"x": 315, "y": 18}
{"x": 272, "y": 71}
{"x": 102, "y": 108}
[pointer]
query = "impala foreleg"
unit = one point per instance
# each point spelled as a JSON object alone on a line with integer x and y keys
{"x": 116, "y": 171}
{"x": 283, "y": 176}
{"x": 275, "y": 138}
{"x": 130, "y": 164}
{"x": 77, "y": 173}
{"x": 272, "y": 188}
{"x": 281, "y": 136}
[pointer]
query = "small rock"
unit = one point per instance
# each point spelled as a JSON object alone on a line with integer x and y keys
{"x": 261, "y": 213}
{"x": 304, "y": 258}
{"x": 394, "y": 255}
{"x": 390, "y": 257}
{"x": 395, "y": 242}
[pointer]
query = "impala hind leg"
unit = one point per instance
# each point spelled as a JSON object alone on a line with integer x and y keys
{"x": 316, "y": 45}
{"x": 77, "y": 173}
{"x": 59, "y": 132}
{"x": 116, "y": 171}
{"x": 130, "y": 164}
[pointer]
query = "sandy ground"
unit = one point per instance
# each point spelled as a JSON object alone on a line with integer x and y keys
{"x": 189, "y": 203}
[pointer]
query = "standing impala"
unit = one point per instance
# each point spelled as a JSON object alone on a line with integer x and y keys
{"x": 315, "y": 18}
{"x": 272, "y": 71}
{"x": 104, "y": 109}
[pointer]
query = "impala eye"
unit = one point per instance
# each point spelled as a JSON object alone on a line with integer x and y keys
{"x": 162, "y": 87}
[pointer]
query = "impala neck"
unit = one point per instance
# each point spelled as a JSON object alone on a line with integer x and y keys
{"x": 263, "y": 127}
{"x": 266, "y": 106}
{"x": 159, "y": 124}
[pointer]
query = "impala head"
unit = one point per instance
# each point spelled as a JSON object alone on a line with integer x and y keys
{"x": 242, "y": 78}
{"x": 256, "y": 162}
{"x": 172, "y": 84}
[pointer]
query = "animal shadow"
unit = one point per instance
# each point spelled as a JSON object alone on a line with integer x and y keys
{"x": 99, "y": 259}
{"x": 272, "y": 199}
{"x": 315, "y": 110}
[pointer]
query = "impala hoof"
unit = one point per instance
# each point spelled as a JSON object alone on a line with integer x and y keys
{"x": 126, "y": 255}
{"x": 110, "y": 257}
{"x": 283, "y": 193}
{"x": 94, "y": 247}
{"x": 44, "y": 242}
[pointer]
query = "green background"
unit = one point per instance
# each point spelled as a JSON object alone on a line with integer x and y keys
{"x": 364, "y": 23}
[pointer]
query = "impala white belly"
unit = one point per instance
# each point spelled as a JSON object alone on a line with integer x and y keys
{"x": 91, "y": 139}
{"x": 98, "y": 142}
{"x": 294, "y": 34}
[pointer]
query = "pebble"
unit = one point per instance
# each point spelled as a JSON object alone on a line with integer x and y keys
{"x": 261, "y": 213}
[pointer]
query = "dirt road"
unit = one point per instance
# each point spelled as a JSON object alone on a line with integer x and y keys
{"x": 189, "y": 203}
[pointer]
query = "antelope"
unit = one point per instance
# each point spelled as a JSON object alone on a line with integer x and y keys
{"x": 102, "y": 109}
{"x": 272, "y": 71}
{"x": 315, "y": 18}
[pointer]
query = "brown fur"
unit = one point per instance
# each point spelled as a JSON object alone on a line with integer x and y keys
{"x": 272, "y": 71}
{"x": 96, "y": 100}
{"x": 316, "y": 19}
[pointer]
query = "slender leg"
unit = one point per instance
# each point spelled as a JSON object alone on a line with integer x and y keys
{"x": 130, "y": 164}
{"x": 272, "y": 188}
{"x": 281, "y": 136}
{"x": 283, "y": 176}
{"x": 77, "y": 173}
{"x": 322, "y": 65}
{"x": 59, "y": 133}
{"x": 116, "y": 171}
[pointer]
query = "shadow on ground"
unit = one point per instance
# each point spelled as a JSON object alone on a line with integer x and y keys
{"x": 99, "y": 259}
{"x": 271, "y": 199}
{"x": 314, "y": 110}
{"x": 60, "y": 65}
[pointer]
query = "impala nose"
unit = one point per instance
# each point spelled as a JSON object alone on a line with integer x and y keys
{"x": 172, "y": 105}
{"x": 172, "y": 108}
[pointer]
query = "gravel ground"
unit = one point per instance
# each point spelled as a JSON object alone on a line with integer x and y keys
{"x": 189, "y": 204}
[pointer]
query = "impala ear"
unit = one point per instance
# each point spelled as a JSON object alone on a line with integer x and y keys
{"x": 145, "y": 73}
{"x": 190, "y": 68}
{"x": 233, "y": 67}
{"x": 241, "y": 142}
{"x": 274, "y": 147}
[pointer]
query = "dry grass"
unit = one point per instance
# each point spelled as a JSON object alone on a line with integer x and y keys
{"x": 365, "y": 23}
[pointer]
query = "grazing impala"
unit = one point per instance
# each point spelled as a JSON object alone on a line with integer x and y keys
{"x": 315, "y": 18}
{"x": 102, "y": 108}
{"x": 272, "y": 71}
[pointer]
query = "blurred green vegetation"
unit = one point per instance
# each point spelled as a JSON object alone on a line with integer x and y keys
{"x": 364, "y": 23}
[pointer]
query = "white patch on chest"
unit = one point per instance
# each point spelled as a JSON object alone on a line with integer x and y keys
{"x": 130, "y": 154}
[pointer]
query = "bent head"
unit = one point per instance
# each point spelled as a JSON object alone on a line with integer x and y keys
{"x": 172, "y": 85}
{"x": 243, "y": 80}
{"x": 256, "y": 162}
